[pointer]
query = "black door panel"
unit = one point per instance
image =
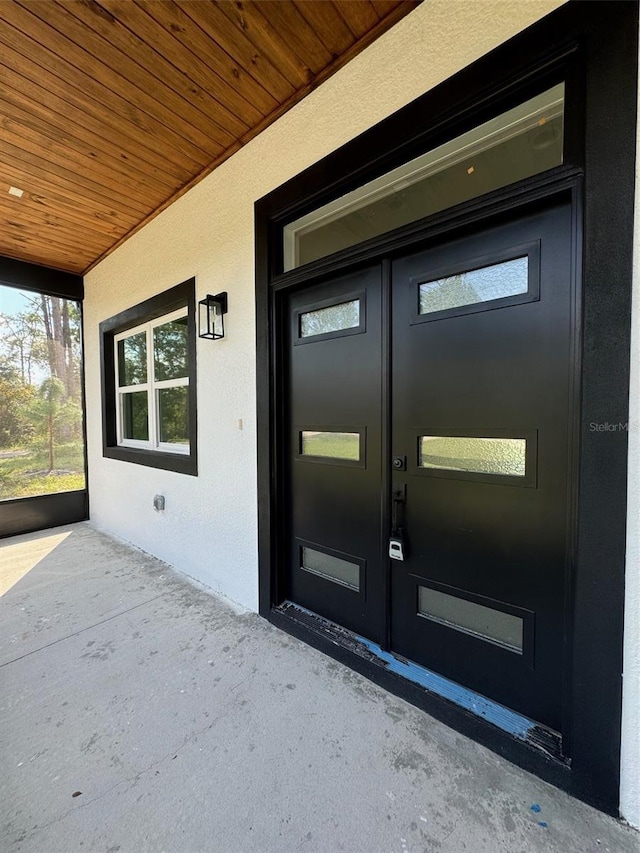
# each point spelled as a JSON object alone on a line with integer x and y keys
{"x": 335, "y": 391}
{"x": 480, "y": 385}
{"x": 493, "y": 373}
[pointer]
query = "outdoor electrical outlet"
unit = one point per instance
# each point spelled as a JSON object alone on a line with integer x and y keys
{"x": 158, "y": 503}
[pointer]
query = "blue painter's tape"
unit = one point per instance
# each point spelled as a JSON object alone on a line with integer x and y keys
{"x": 509, "y": 721}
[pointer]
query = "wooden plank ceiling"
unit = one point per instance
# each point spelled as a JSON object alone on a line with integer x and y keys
{"x": 110, "y": 109}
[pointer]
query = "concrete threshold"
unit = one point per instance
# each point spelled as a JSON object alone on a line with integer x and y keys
{"x": 139, "y": 713}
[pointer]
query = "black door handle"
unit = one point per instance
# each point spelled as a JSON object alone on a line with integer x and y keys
{"x": 397, "y": 544}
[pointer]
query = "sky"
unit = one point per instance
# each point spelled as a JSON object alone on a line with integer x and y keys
{"x": 13, "y": 301}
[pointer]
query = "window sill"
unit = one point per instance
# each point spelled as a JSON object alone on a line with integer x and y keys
{"x": 181, "y": 463}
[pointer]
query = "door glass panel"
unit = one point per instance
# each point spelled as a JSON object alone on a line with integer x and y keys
{"x": 505, "y": 456}
{"x": 493, "y": 625}
{"x": 135, "y": 416}
{"x": 173, "y": 415}
{"x": 330, "y": 445}
{"x": 469, "y": 288}
{"x": 132, "y": 360}
{"x": 41, "y": 415}
{"x": 170, "y": 352}
{"x": 521, "y": 142}
{"x": 331, "y": 568}
{"x": 334, "y": 318}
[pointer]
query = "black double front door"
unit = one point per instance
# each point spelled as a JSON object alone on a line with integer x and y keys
{"x": 428, "y": 401}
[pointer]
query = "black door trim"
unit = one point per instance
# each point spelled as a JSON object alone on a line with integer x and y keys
{"x": 594, "y": 47}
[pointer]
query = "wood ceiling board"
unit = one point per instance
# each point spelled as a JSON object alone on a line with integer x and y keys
{"x": 49, "y": 109}
{"x": 64, "y": 151}
{"x": 17, "y": 234}
{"x": 52, "y": 130}
{"x": 359, "y": 15}
{"x": 193, "y": 33}
{"x": 57, "y": 29}
{"x": 328, "y": 24}
{"x": 290, "y": 24}
{"x": 112, "y": 109}
{"x": 248, "y": 18}
{"x": 61, "y": 192}
{"x": 132, "y": 30}
{"x": 211, "y": 18}
{"x": 384, "y": 7}
{"x": 207, "y": 120}
{"x": 39, "y": 216}
{"x": 16, "y": 231}
{"x": 56, "y": 55}
{"x": 40, "y": 206}
{"x": 42, "y": 164}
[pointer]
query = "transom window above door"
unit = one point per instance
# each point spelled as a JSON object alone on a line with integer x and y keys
{"x": 152, "y": 369}
{"x": 519, "y": 143}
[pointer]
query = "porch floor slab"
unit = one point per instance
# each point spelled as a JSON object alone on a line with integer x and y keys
{"x": 138, "y": 712}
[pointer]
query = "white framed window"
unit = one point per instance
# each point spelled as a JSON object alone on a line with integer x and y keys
{"x": 151, "y": 363}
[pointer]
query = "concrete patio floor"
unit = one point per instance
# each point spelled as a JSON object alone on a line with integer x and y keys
{"x": 140, "y": 713}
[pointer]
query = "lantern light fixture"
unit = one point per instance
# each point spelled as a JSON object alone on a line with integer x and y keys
{"x": 211, "y": 316}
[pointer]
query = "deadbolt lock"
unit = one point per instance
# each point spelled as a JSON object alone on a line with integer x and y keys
{"x": 399, "y": 463}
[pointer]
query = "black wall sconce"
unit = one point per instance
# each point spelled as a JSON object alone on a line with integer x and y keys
{"x": 211, "y": 311}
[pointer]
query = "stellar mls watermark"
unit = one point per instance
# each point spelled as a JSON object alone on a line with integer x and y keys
{"x": 608, "y": 427}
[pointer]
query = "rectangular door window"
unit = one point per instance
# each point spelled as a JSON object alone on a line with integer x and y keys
{"x": 504, "y": 456}
{"x": 489, "y": 624}
{"x": 330, "y": 445}
{"x": 487, "y": 284}
{"x": 334, "y": 318}
{"x": 41, "y": 416}
{"x": 332, "y": 568}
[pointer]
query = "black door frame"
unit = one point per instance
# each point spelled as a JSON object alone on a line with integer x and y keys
{"x": 25, "y": 515}
{"x": 593, "y": 47}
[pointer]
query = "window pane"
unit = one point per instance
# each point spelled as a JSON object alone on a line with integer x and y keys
{"x": 482, "y": 455}
{"x": 346, "y": 315}
{"x": 332, "y": 445}
{"x": 173, "y": 415}
{"x": 41, "y": 417}
{"x": 522, "y": 142}
{"x": 132, "y": 360}
{"x": 469, "y": 288}
{"x": 135, "y": 416}
{"x": 331, "y": 568}
{"x": 170, "y": 351}
{"x": 471, "y": 618}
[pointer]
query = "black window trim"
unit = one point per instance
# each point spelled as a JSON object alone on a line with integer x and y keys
{"x": 180, "y": 296}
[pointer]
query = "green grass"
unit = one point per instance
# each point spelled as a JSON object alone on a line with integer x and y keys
{"x": 28, "y": 475}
